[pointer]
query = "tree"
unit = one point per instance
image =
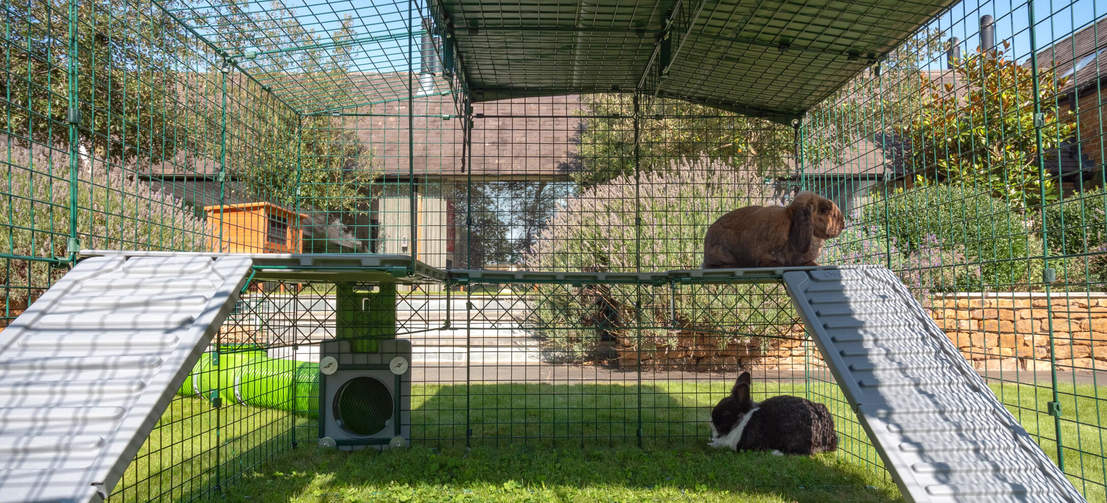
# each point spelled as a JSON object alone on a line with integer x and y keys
{"x": 327, "y": 168}
{"x": 330, "y": 169}
{"x": 479, "y": 214}
{"x": 671, "y": 130}
{"x": 982, "y": 133}
{"x": 128, "y": 55}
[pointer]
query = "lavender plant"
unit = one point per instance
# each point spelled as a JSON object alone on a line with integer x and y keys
{"x": 596, "y": 231}
{"x": 930, "y": 266}
{"x": 987, "y": 232}
{"x": 114, "y": 211}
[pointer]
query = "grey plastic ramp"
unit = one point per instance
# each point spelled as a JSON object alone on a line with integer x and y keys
{"x": 941, "y": 432}
{"x": 87, "y": 370}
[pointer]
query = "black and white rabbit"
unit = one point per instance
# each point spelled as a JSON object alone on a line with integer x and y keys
{"x": 782, "y": 424}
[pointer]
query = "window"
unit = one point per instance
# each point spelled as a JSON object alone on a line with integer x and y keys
{"x": 278, "y": 229}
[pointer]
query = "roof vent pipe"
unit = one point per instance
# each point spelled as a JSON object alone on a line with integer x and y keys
{"x": 953, "y": 53}
{"x": 427, "y": 59}
{"x": 987, "y": 34}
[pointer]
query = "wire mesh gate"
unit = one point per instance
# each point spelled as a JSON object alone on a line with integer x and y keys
{"x": 969, "y": 160}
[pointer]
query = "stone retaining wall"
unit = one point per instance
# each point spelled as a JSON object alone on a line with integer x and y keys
{"x": 993, "y": 331}
{"x": 1011, "y": 331}
{"x": 690, "y": 350}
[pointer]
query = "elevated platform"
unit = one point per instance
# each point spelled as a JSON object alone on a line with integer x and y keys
{"x": 750, "y": 275}
{"x": 370, "y": 267}
{"x": 328, "y": 267}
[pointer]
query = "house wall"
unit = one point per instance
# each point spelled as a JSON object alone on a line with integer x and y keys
{"x": 395, "y": 224}
{"x": 1092, "y": 118}
{"x": 432, "y": 226}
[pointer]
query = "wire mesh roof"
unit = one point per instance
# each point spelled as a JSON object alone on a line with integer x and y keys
{"x": 315, "y": 55}
{"x": 768, "y": 59}
{"x": 771, "y": 59}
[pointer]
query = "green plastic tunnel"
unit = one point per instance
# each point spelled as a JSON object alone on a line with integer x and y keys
{"x": 250, "y": 377}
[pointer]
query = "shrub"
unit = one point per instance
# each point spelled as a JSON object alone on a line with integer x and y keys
{"x": 984, "y": 135}
{"x": 595, "y": 231}
{"x": 1076, "y": 225}
{"x": 1076, "y": 230}
{"x": 970, "y": 225}
{"x": 929, "y": 268}
{"x": 113, "y": 212}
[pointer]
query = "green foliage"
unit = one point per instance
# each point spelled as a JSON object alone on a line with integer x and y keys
{"x": 672, "y": 130}
{"x": 127, "y": 60}
{"x": 1077, "y": 224}
{"x": 982, "y": 133}
{"x": 326, "y": 168}
{"x": 595, "y": 231}
{"x": 931, "y": 266}
{"x": 487, "y": 242}
{"x": 1076, "y": 230}
{"x": 332, "y": 168}
{"x": 971, "y": 225}
{"x": 113, "y": 212}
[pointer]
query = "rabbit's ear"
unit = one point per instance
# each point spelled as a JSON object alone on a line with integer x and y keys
{"x": 741, "y": 389}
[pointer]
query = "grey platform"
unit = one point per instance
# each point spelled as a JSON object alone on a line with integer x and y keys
{"x": 940, "y": 430}
{"x": 87, "y": 370}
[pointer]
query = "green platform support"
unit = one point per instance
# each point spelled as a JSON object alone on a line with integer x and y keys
{"x": 365, "y": 315}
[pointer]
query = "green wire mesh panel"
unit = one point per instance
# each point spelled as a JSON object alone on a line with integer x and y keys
{"x": 970, "y": 162}
{"x": 569, "y": 137}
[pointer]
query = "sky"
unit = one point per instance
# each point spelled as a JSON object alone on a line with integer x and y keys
{"x": 1055, "y": 20}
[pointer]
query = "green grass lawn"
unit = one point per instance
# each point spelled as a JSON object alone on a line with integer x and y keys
{"x": 538, "y": 442}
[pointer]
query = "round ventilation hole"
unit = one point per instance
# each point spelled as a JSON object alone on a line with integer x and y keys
{"x": 362, "y": 406}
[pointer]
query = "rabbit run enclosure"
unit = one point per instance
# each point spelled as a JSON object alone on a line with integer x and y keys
{"x": 481, "y": 223}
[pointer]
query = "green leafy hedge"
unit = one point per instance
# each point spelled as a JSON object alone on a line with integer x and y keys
{"x": 971, "y": 226}
{"x": 1076, "y": 229}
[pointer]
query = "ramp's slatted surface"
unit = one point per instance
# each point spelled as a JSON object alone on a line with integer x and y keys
{"x": 86, "y": 371}
{"x": 941, "y": 431}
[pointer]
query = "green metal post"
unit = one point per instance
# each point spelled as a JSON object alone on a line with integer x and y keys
{"x": 299, "y": 176}
{"x": 1054, "y": 406}
{"x": 222, "y": 148}
{"x": 412, "y": 236}
{"x": 638, "y": 261}
{"x": 798, "y": 151}
{"x": 884, "y": 176}
{"x": 467, "y": 159}
{"x": 74, "y": 244}
{"x": 223, "y": 70}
